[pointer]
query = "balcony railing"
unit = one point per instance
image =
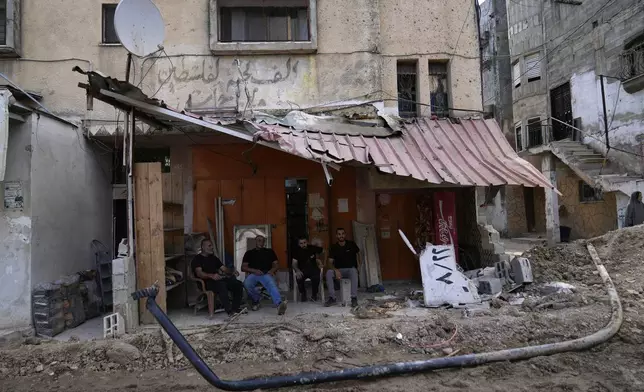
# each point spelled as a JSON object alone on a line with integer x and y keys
{"x": 632, "y": 62}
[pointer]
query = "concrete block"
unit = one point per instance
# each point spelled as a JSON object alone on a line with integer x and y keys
{"x": 491, "y": 286}
{"x": 345, "y": 292}
{"x": 118, "y": 282}
{"x": 119, "y": 266}
{"x": 120, "y": 296}
{"x": 113, "y": 326}
{"x": 521, "y": 270}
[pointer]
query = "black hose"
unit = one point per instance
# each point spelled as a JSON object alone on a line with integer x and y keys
{"x": 390, "y": 369}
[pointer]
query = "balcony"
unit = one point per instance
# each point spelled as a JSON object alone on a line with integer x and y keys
{"x": 632, "y": 68}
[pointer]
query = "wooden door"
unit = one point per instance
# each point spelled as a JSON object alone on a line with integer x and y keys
{"x": 394, "y": 212}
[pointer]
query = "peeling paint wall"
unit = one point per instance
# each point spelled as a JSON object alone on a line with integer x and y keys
{"x": 587, "y": 219}
{"x": 624, "y": 113}
{"x": 358, "y": 45}
{"x": 71, "y": 200}
{"x": 15, "y": 235}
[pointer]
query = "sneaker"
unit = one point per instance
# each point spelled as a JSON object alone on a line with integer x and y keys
{"x": 354, "y": 302}
{"x": 254, "y": 307}
{"x": 281, "y": 308}
{"x": 330, "y": 302}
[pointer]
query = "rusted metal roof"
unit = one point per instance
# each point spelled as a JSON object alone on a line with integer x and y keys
{"x": 474, "y": 152}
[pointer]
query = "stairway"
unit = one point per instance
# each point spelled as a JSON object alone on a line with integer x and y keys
{"x": 592, "y": 167}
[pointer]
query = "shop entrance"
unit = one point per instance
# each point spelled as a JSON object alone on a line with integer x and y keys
{"x": 296, "y": 213}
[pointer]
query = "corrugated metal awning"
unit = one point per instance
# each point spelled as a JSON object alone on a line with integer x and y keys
{"x": 472, "y": 153}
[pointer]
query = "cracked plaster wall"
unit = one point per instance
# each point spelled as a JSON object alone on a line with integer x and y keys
{"x": 587, "y": 219}
{"x": 357, "y": 48}
{"x": 15, "y": 235}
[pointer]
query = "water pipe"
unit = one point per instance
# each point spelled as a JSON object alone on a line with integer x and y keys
{"x": 393, "y": 369}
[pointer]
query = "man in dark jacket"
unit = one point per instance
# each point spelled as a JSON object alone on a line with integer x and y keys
{"x": 635, "y": 211}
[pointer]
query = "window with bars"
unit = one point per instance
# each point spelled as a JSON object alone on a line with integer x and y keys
{"x": 3, "y": 22}
{"x": 264, "y": 24}
{"x": 588, "y": 194}
{"x": 108, "y": 32}
{"x": 517, "y": 133}
{"x": 535, "y": 135}
{"x": 439, "y": 88}
{"x": 533, "y": 67}
{"x": 407, "y": 79}
{"x": 516, "y": 74}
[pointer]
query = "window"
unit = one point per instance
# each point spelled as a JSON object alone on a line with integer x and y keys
{"x": 516, "y": 74}
{"x": 533, "y": 67}
{"x": 9, "y": 28}
{"x": 438, "y": 88}
{"x": 517, "y": 133}
{"x": 535, "y": 136}
{"x": 3, "y": 22}
{"x": 588, "y": 193}
{"x": 109, "y": 33}
{"x": 407, "y": 82}
{"x": 264, "y": 24}
{"x": 632, "y": 65}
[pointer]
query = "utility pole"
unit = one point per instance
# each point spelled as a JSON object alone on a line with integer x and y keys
{"x": 601, "y": 79}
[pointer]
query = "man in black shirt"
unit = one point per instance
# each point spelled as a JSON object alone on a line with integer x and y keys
{"x": 260, "y": 265}
{"x": 343, "y": 263}
{"x": 218, "y": 279}
{"x": 307, "y": 266}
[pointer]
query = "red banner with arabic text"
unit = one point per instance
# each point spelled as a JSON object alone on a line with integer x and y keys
{"x": 445, "y": 220}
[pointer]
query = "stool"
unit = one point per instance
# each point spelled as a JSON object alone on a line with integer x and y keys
{"x": 344, "y": 297}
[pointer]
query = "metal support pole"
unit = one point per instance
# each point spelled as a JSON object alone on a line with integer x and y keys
{"x": 601, "y": 79}
{"x": 131, "y": 124}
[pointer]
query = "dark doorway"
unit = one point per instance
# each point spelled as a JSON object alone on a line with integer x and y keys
{"x": 528, "y": 197}
{"x": 561, "y": 106}
{"x": 296, "y": 213}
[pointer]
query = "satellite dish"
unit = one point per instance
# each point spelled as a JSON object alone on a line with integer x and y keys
{"x": 139, "y": 26}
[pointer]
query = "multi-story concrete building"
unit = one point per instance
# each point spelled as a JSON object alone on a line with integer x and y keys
{"x": 576, "y": 81}
{"x": 411, "y": 57}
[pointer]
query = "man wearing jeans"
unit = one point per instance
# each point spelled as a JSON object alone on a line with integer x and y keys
{"x": 261, "y": 264}
{"x": 343, "y": 263}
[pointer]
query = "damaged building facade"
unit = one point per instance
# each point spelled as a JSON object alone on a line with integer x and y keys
{"x": 575, "y": 82}
{"x": 288, "y": 111}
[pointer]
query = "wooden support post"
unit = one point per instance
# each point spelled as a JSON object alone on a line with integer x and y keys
{"x": 150, "y": 263}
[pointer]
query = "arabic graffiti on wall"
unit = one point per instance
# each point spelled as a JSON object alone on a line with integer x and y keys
{"x": 219, "y": 82}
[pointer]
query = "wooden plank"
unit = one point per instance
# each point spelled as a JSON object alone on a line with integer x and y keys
{"x": 167, "y": 187}
{"x": 177, "y": 184}
{"x": 157, "y": 257}
{"x": 143, "y": 241}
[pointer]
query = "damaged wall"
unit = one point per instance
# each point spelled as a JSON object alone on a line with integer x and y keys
{"x": 587, "y": 219}
{"x": 358, "y": 43}
{"x": 15, "y": 233}
{"x": 624, "y": 113}
{"x": 71, "y": 200}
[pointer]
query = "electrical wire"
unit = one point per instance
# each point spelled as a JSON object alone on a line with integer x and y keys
{"x": 619, "y": 90}
{"x": 169, "y": 75}
{"x": 469, "y": 10}
{"x": 538, "y": 63}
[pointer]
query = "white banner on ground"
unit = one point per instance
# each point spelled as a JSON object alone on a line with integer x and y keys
{"x": 443, "y": 284}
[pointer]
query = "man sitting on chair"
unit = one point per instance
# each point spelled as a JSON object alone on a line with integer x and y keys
{"x": 218, "y": 278}
{"x": 306, "y": 265}
{"x": 261, "y": 264}
{"x": 343, "y": 263}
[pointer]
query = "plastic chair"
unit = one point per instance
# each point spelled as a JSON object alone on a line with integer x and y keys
{"x": 296, "y": 292}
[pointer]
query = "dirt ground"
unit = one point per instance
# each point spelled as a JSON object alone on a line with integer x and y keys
{"x": 534, "y": 315}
